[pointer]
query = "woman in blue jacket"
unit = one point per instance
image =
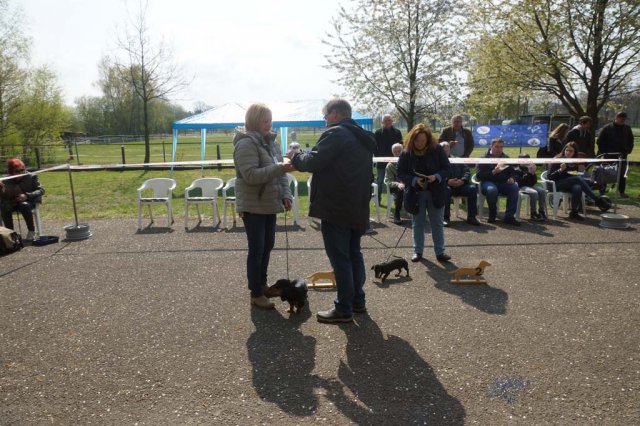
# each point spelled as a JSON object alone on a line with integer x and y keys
{"x": 423, "y": 167}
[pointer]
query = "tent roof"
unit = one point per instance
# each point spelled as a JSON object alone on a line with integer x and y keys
{"x": 285, "y": 114}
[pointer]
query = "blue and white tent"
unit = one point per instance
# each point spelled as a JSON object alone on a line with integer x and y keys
{"x": 285, "y": 114}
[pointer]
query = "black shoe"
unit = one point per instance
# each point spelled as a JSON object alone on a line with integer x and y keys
{"x": 397, "y": 220}
{"x": 444, "y": 257}
{"x": 603, "y": 203}
{"x": 473, "y": 221}
{"x": 543, "y": 215}
{"x": 576, "y": 216}
{"x": 492, "y": 219}
{"x": 511, "y": 221}
{"x": 416, "y": 257}
{"x": 333, "y": 316}
{"x": 360, "y": 309}
{"x": 536, "y": 217}
{"x": 623, "y": 195}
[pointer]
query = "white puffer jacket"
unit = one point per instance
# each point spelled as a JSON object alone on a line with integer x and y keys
{"x": 261, "y": 183}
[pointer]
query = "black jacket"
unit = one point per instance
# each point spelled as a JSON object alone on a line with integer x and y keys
{"x": 484, "y": 172}
{"x": 434, "y": 162}
{"x": 615, "y": 138}
{"x": 460, "y": 171}
{"x": 556, "y": 174}
{"x": 584, "y": 139}
{"x": 447, "y": 135}
{"x": 28, "y": 184}
{"x": 385, "y": 138}
{"x": 524, "y": 177}
{"x": 342, "y": 176}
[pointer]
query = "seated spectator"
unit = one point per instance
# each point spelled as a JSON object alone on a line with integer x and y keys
{"x": 526, "y": 179}
{"x": 20, "y": 194}
{"x": 458, "y": 185}
{"x": 498, "y": 179}
{"x": 396, "y": 187}
{"x": 567, "y": 179}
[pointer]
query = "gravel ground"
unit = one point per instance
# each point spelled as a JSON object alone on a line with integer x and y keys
{"x": 155, "y": 327}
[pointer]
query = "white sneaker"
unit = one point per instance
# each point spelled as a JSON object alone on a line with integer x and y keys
{"x": 30, "y": 236}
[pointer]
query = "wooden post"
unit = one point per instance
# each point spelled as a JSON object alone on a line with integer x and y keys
{"x": 124, "y": 161}
{"x": 38, "y": 158}
{"x": 218, "y": 156}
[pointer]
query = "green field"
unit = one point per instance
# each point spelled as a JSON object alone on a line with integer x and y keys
{"x": 112, "y": 194}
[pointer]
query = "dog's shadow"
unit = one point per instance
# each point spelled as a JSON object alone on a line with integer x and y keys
{"x": 481, "y": 296}
{"x": 282, "y": 359}
{"x": 392, "y": 280}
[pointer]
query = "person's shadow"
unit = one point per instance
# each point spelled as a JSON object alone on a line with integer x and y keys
{"x": 488, "y": 299}
{"x": 385, "y": 381}
{"x": 282, "y": 359}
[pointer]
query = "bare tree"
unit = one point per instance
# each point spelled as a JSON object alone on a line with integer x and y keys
{"x": 582, "y": 53}
{"x": 396, "y": 52}
{"x": 148, "y": 68}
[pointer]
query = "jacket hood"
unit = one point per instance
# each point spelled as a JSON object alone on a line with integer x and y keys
{"x": 364, "y": 136}
{"x": 241, "y": 133}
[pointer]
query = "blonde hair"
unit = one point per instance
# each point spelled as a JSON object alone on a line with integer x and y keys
{"x": 409, "y": 142}
{"x": 254, "y": 116}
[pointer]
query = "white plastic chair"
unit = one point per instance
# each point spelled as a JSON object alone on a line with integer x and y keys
{"x": 210, "y": 188}
{"x": 295, "y": 201}
{"x": 229, "y": 200}
{"x": 374, "y": 195}
{"x": 161, "y": 194}
{"x": 481, "y": 198}
{"x": 557, "y": 196}
{"x": 456, "y": 203}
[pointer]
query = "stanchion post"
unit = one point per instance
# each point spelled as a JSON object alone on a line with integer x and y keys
{"x": 124, "y": 160}
{"x": 164, "y": 152}
{"x": 218, "y": 156}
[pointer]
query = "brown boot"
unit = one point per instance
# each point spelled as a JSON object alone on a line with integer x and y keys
{"x": 262, "y": 302}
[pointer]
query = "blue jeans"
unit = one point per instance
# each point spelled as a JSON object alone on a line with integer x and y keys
{"x": 436, "y": 217}
{"x": 491, "y": 191}
{"x": 467, "y": 190}
{"x": 342, "y": 245}
{"x": 576, "y": 185}
{"x": 261, "y": 236}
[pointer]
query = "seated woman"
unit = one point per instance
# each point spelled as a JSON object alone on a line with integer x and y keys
{"x": 567, "y": 180}
{"x": 20, "y": 194}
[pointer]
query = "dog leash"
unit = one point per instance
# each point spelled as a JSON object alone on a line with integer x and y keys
{"x": 404, "y": 229}
{"x": 286, "y": 237}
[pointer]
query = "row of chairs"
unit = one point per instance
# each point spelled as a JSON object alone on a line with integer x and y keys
{"x": 162, "y": 192}
{"x": 556, "y": 197}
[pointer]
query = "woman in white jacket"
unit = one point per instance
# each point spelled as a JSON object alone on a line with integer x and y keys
{"x": 262, "y": 191}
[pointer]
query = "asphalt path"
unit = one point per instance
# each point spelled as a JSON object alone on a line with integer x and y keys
{"x": 155, "y": 327}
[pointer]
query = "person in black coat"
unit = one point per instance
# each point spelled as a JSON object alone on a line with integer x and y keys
{"x": 340, "y": 194}
{"x": 386, "y": 137}
{"x": 20, "y": 194}
{"x": 424, "y": 168}
{"x": 499, "y": 179}
{"x": 458, "y": 185}
{"x": 617, "y": 137}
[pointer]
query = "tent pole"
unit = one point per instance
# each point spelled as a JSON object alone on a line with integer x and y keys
{"x": 203, "y": 138}
{"x": 173, "y": 151}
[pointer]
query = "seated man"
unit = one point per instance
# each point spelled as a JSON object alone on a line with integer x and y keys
{"x": 458, "y": 185}
{"x": 498, "y": 179}
{"x": 19, "y": 194}
{"x": 396, "y": 187}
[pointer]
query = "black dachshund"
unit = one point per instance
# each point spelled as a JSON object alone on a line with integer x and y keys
{"x": 292, "y": 291}
{"x": 382, "y": 270}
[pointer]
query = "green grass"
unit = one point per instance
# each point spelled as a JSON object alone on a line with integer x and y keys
{"x": 112, "y": 194}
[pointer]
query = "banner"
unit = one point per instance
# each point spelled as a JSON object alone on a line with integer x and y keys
{"x": 514, "y": 135}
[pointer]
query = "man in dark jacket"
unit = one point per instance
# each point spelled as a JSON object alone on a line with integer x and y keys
{"x": 616, "y": 137}
{"x": 583, "y": 137}
{"x": 458, "y": 185}
{"x": 460, "y": 139}
{"x": 339, "y": 195}
{"x": 20, "y": 194}
{"x": 498, "y": 179}
{"x": 385, "y": 138}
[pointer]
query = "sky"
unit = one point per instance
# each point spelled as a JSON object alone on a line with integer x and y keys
{"x": 231, "y": 50}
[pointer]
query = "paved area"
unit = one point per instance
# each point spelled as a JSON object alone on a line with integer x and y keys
{"x": 155, "y": 327}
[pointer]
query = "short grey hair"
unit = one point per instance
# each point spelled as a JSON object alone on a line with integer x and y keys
{"x": 456, "y": 117}
{"x": 341, "y": 106}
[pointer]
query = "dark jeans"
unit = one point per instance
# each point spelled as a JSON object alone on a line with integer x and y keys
{"x": 380, "y": 180}
{"x": 261, "y": 236}
{"x": 467, "y": 190}
{"x": 342, "y": 245}
{"x": 576, "y": 185}
{"x": 491, "y": 191}
{"x": 398, "y": 196}
{"x": 24, "y": 208}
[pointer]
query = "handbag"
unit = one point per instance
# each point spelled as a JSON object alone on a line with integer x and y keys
{"x": 411, "y": 200}
{"x": 10, "y": 241}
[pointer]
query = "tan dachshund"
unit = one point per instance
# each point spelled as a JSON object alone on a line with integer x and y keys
{"x": 476, "y": 273}
{"x": 324, "y": 276}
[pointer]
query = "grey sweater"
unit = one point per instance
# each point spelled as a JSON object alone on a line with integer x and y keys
{"x": 261, "y": 182}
